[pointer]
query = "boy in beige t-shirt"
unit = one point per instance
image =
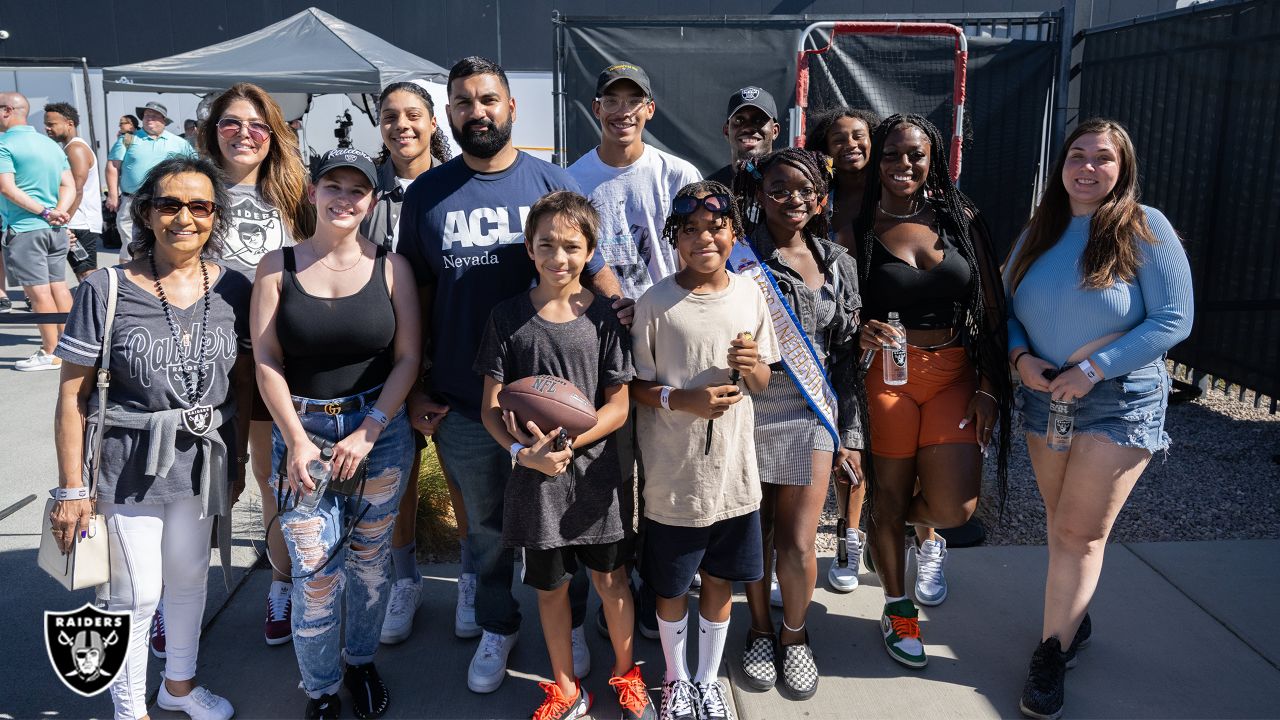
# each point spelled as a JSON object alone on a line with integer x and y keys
{"x": 695, "y": 334}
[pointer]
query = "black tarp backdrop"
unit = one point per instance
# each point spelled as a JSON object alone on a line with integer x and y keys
{"x": 1200, "y": 96}
{"x": 695, "y": 67}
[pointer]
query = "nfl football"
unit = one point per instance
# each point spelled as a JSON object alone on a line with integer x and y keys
{"x": 550, "y": 402}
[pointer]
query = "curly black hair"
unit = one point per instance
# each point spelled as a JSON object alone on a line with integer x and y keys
{"x": 983, "y": 333}
{"x": 815, "y": 135}
{"x": 702, "y": 188}
{"x": 144, "y": 238}
{"x": 748, "y": 184}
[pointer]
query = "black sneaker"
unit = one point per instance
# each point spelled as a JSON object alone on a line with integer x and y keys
{"x": 760, "y": 662}
{"x": 369, "y": 697}
{"x": 1084, "y": 633}
{"x": 325, "y": 706}
{"x": 799, "y": 671}
{"x": 1042, "y": 693}
{"x": 6, "y": 305}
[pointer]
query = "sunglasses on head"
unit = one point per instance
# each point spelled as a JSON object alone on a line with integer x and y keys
{"x": 230, "y": 127}
{"x": 173, "y": 206}
{"x": 715, "y": 203}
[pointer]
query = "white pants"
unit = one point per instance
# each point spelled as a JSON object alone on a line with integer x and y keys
{"x": 154, "y": 547}
{"x": 124, "y": 223}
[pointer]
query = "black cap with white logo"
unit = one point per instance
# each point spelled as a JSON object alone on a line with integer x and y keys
{"x": 346, "y": 157}
{"x": 623, "y": 71}
{"x": 752, "y": 96}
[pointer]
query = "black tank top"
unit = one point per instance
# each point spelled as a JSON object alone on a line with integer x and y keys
{"x": 924, "y": 299}
{"x": 335, "y": 347}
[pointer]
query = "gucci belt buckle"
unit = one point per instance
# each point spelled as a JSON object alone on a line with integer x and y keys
{"x": 332, "y": 408}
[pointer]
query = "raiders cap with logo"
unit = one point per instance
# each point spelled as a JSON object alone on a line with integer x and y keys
{"x": 623, "y": 71}
{"x": 752, "y": 96}
{"x": 346, "y": 157}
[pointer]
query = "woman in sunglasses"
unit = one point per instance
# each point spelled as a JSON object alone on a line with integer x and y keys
{"x": 180, "y": 367}
{"x": 247, "y": 136}
{"x": 806, "y": 420}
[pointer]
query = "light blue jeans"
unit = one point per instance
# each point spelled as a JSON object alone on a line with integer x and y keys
{"x": 360, "y": 571}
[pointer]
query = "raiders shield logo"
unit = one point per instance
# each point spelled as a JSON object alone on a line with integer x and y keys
{"x": 750, "y": 93}
{"x": 197, "y": 419}
{"x": 900, "y": 357}
{"x": 86, "y": 647}
{"x": 1062, "y": 427}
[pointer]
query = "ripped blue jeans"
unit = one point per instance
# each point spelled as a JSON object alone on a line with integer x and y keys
{"x": 359, "y": 575}
{"x": 1127, "y": 410}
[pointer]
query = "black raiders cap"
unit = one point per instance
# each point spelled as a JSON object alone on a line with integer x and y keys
{"x": 346, "y": 157}
{"x": 754, "y": 97}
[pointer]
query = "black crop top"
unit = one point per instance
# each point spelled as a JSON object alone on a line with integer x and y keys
{"x": 335, "y": 347}
{"x": 924, "y": 299}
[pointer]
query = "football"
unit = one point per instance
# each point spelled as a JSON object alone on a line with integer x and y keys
{"x": 550, "y": 402}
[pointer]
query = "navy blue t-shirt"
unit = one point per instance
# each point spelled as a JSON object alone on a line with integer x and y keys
{"x": 463, "y": 233}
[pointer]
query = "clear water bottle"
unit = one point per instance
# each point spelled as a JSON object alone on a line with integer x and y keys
{"x": 895, "y": 358}
{"x": 1062, "y": 421}
{"x": 320, "y": 471}
{"x": 77, "y": 251}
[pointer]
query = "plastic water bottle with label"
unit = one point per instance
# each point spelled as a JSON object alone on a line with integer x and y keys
{"x": 320, "y": 471}
{"x": 895, "y": 358}
{"x": 1062, "y": 420}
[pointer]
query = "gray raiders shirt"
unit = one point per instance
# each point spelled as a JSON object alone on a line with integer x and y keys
{"x": 256, "y": 229}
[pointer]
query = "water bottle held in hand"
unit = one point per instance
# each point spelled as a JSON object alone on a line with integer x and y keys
{"x": 895, "y": 358}
{"x": 1062, "y": 420}
{"x": 77, "y": 251}
{"x": 320, "y": 471}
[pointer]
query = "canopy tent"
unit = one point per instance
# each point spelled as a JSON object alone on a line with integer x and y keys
{"x": 311, "y": 52}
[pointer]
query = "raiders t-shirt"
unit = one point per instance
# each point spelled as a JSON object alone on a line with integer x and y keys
{"x": 256, "y": 229}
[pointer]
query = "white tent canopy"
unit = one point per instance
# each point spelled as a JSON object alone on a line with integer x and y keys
{"x": 311, "y": 52}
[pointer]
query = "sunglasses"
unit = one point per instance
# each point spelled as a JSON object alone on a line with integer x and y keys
{"x": 173, "y": 206}
{"x": 687, "y": 204}
{"x": 231, "y": 127}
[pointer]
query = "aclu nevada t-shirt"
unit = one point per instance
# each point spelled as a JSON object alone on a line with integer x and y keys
{"x": 256, "y": 229}
{"x": 463, "y": 232}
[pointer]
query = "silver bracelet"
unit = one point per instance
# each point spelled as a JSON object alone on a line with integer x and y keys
{"x": 77, "y": 493}
{"x": 665, "y": 397}
{"x": 984, "y": 392}
{"x": 378, "y": 416}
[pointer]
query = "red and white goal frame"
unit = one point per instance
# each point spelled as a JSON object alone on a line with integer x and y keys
{"x": 884, "y": 28}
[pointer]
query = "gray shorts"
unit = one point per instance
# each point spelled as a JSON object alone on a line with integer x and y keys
{"x": 36, "y": 257}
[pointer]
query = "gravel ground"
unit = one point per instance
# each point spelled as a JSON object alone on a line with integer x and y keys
{"x": 1219, "y": 481}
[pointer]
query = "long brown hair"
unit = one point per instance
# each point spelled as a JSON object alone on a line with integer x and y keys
{"x": 1111, "y": 253}
{"x": 282, "y": 180}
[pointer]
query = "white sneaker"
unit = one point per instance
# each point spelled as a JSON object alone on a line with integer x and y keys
{"x": 843, "y": 577}
{"x": 464, "y": 616}
{"x": 397, "y": 624}
{"x": 931, "y": 583}
{"x": 199, "y": 704}
{"x": 581, "y": 653}
{"x": 489, "y": 665}
{"x": 775, "y": 591}
{"x": 39, "y": 360}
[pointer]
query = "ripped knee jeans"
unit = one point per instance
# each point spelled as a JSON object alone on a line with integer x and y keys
{"x": 358, "y": 576}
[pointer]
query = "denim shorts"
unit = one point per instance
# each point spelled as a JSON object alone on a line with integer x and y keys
{"x": 1127, "y": 410}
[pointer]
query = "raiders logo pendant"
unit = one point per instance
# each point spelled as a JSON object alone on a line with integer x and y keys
{"x": 197, "y": 419}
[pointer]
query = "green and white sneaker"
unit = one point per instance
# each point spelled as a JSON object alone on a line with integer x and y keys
{"x": 900, "y": 625}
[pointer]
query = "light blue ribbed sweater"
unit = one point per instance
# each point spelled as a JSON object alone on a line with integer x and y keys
{"x": 1053, "y": 315}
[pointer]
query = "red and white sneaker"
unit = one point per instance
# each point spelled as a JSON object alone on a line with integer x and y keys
{"x": 156, "y": 637}
{"x": 278, "y": 629}
{"x": 558, "y": 707}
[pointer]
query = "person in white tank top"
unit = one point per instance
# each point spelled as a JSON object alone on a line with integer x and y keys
{"x": 61, "y": 122}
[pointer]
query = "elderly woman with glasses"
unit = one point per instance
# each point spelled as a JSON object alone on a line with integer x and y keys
{"x": 178, "y": 346}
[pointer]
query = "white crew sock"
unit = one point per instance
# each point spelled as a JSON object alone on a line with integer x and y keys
{"x": 674, "y": 639}
{"x": 711, "y": 636}
{"x": 888, "y": 600}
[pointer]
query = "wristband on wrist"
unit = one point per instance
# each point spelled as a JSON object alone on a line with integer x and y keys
{"x": 378, "y": 416}
{"x": 45, "y": 213}
{"x": 1087, "y": 368}
{"x": 77, "y": 493}
{"x": 665, "y": 397}
{"x": 1018, "y": 357}
{"x": 515, "y": 451}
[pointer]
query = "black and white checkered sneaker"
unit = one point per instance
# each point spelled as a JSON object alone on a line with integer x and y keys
{"x": 759, "y": 662}
{"x": 799, "y": 672}
{"x": 711, "y": 701}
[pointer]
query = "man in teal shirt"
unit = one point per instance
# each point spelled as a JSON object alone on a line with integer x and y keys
{"x": 38, "y": 190}
{"x": 151, "y": 144}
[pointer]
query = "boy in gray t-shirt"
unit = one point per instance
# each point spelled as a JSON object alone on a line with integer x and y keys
{"x": 566, "y": 507}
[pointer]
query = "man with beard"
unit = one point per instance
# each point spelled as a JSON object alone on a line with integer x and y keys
{"x": 751, "y": 129}
{"x": 461, "y": 227}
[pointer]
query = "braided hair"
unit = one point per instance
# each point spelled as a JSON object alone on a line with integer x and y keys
{"x": 815, "y": 135}
{"x": 439, "y": 143}
{"x": 702, "y": 188}
{"x": 748, "y": 184}
{"x": 983, "y": 332}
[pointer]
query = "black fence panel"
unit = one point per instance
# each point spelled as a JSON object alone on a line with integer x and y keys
{"x": 1199, "y": 93}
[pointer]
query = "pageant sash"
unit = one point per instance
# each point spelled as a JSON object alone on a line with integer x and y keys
{"x": 799, "y": 358}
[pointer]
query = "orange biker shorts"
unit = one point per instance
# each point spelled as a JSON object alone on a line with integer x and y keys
{"x": 925, "y": 411}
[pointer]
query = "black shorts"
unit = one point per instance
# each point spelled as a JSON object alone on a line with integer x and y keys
{"x": 89, "y": 241}
{"x": 551, "y": 568}
{"x": 728, "y": 549}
